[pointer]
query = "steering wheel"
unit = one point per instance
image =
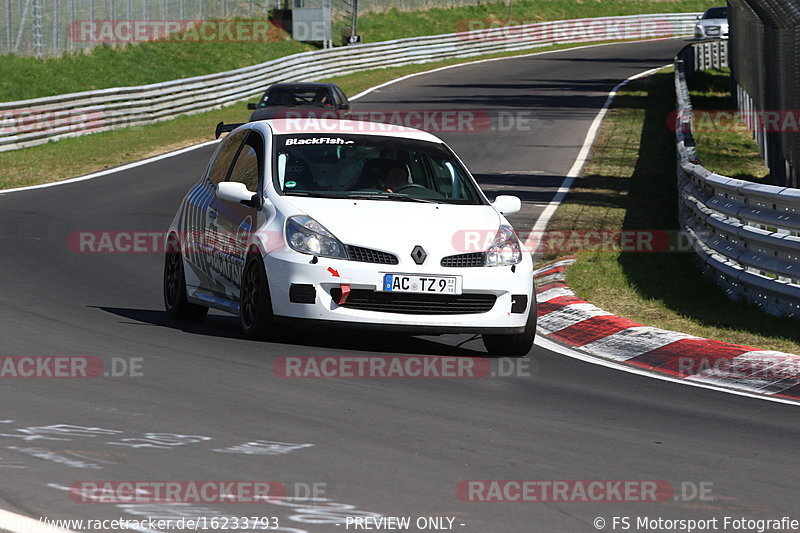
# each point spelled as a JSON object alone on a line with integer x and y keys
{"x": 411, "y": 186}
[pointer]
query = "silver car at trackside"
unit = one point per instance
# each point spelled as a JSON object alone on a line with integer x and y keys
{"x": 713, "y": 24}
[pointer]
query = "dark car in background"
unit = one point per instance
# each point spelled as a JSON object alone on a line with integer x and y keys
{"x": 713, "y": 24}
{"x": 301, "y": 99}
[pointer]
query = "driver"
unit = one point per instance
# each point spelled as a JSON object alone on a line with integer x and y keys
{"x": 394, "y": 176}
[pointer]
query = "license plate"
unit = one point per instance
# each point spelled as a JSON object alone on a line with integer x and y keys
{"x": 422, "y": 284}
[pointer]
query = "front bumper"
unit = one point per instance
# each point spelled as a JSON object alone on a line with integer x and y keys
{"x": 286, "y": 268}
{"x": 713, "y": 32}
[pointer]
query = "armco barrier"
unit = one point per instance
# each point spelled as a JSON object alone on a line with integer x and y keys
{"x": 31, "y": 122}
{"x": 747, "y": 234}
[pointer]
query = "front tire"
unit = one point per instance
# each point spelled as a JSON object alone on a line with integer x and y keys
{"x": 517, "y": 345}
{"x": 255, "y": 304}
{"x": 176, "y": 303}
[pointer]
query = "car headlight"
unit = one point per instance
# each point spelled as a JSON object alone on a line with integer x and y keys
{"x": 505, "y": 249}
{"x": 307, "y": 236}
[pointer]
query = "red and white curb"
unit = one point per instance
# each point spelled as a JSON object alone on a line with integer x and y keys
{"x": 568, "y": 320}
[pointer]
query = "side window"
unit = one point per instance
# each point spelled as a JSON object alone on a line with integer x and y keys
{"x": 219, "y": 168}
{"x": 448, "y": 180}
{"x": 248, "y": 163}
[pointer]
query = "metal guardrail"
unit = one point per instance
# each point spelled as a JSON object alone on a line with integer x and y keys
{"x": 37, "y": 121}
{"x": 747, "y": 234}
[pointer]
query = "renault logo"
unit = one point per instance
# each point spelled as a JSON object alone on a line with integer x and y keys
{"x": 419, "y": 255}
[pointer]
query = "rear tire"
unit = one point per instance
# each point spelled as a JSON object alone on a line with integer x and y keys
{"x": 255, "y": 304}
{"x": 518, "y": 345}
{"x": 175, "y": 301}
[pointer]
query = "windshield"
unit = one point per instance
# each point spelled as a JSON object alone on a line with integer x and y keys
{"x": 371, "y": 167}
{"x": 295, "y": 96}
{"x": 716, "y": 13}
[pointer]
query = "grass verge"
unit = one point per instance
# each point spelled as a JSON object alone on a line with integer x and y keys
{"x": 149, "y": 62}
{"x": 630, "y": 184}
{"x": 77, "y": 156}
{"x": 724, "y": 144}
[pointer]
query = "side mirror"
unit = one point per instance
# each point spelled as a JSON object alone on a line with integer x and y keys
{"x": 507, "y": 204}
{"x": 251, "y": 106}
{"x": 233, "y": 191}
{"x": 699, "y": 17}
{"x": 344, "y": 106}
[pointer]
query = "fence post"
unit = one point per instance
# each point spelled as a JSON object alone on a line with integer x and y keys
{"x": 9, "y": 28}
{"x": 71, "y": 24}
{"x": 56, "y": 24}
{"x": 38, "y": 45}
{"x": 111, "y": 12}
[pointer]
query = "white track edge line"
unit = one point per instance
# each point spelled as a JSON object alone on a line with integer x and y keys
{"x": 120, "y": 168}
{"x": 583, "y": 155}
{"x": 552, "y": 346}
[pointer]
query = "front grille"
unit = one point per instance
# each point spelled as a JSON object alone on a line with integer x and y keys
{"x": 417, "y": 304}
{"x": 477, "y": 259}
{"x": 367, "y": 255}
{"x": 712, "y": 30}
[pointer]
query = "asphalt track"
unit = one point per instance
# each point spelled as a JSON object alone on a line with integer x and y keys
{"x": 397, "y": 447}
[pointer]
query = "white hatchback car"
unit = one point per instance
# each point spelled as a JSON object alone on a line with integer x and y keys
{"x": 336, "y": 222}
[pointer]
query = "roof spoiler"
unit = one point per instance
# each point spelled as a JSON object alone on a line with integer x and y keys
{"x": 225, "y": 128}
